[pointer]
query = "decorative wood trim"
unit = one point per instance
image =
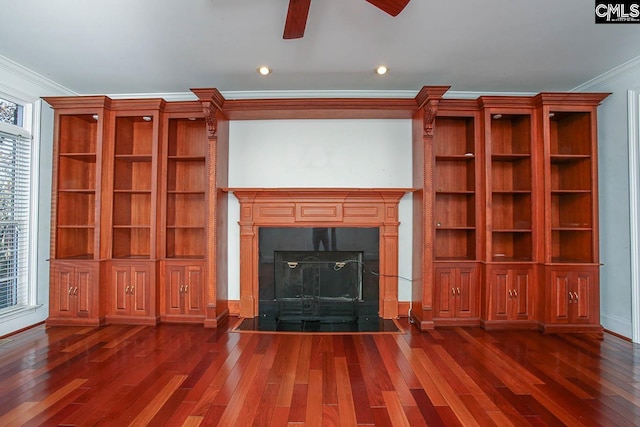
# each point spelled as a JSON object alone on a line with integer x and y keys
{"x": 573, "y": 99}
{"x": 212, "y": 101}
{"x": 316, "y": 108}
{"x": 138, "y": 105}
{"x": 403, "y": 308}
{"x": 428, "y": 99}
{"x": 325, "y": 207}
{"x": 234, "y": 308}
{"x": 78, "y": 102}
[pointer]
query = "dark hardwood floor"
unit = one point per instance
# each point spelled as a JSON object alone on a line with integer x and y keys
{"x": 186, "y": 375}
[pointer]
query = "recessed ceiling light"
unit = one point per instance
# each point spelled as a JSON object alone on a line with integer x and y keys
{"x": 264, "y": 70}
{"x": 381, "y": 70}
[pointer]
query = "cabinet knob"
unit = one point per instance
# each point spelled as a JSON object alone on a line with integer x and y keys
{"x": 453, "y": 291}
{"x": 126, "y": 290}
{"x": 186, "y": 289}
{"x": 75, "y": 290}
{"x": 510, "y": 293}
{"x": 71, "y": 290}
{"x": 515, "y": 293}
{"x": 458, "y": 290}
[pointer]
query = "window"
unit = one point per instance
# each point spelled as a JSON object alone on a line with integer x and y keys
{"x": 11, "y": 113}
{"x": 15, "y": 177}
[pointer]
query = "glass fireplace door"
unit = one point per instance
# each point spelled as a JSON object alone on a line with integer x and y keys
{"x": 318, "y": 286}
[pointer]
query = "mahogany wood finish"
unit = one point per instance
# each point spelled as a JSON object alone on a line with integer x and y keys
{"x": 80, "y": 142}
{"x": 173, "y": 375}
{"x": 505, "y": 221}
{"x": 423, "y": 123}
{"x": 217, "y": 164}
{"x": 319, "y": 207}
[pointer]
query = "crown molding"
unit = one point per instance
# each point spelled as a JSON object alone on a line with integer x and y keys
{"x": 22, "y": 82}
{"x": 315, "y": 94}
{"x": 458, "y": 94}
{"x": 293, "y": 94}
{"x": 626, "y": 68}
{"x": 167, "y": 96}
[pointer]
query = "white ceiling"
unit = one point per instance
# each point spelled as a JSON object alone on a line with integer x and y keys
{"x": 165, "y": 46}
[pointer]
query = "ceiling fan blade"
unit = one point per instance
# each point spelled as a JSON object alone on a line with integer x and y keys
{"x": 296, "y": 19}
{"x": 392, "y": 7}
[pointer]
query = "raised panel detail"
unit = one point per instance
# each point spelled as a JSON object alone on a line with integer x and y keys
{"x": 361, "y": 212}
{"x": 279, "y": 212}
{"x": 319, "y": 212}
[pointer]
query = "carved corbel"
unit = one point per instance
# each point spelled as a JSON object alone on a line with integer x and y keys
{"x": 427, "y": 99}
{"x": 430, "y": 112}
{"x": 212, "y": 102}
{"x": 210, "y": 111}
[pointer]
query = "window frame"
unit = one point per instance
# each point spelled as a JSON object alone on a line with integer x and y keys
{"x": 30, "y": 129}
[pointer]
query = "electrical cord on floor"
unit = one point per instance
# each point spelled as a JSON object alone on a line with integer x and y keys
{"x": 373, "y": 273}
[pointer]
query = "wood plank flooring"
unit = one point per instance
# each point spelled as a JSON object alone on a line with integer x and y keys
{"x": 186, "y": 375}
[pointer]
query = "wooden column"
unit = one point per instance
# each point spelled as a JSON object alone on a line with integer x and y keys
{"x": 389, "y": 259}
{"x": 248, "y": 257}
{"x": 216, "y": 287}
{"x": 423, "y": 226}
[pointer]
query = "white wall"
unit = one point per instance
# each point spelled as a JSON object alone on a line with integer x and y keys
{"x": 321, "y": 153}
{"x": 613, "y": 182}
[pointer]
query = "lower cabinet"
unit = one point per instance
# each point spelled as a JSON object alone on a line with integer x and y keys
{"x": 572, "y": 299}
{"x": 456, "y": 295}
{"x": 182, "y": 291}
{"x": 131, "y": 290}
{"x": 511, "y": 297}
{"x": 74, "y": 293}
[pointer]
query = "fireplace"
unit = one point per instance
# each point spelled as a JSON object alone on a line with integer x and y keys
{"x": 278, "y": 210}
{"x": 325, "y": 274}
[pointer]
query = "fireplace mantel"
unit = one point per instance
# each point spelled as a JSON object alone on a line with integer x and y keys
{"x": 319, "y": 207}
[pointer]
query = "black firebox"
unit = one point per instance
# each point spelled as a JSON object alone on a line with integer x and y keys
{"x": 323, "y": 286}
{"x": 318, "y": 275}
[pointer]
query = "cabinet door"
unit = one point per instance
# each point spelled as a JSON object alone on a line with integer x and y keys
{"x": 520, "y": 294}
{"x": 465, "y": 292}
{"x": 455, "y": 292}
{"x": 445, "y": 292}
{"x": 499, "y": 288}
{"x": 120, "y": 289}
{"x": 84, "y": 282}
{"x": 572, "y": 299}
{"x": 184, "y": 287}
{"x": 510, "y": 294}
{"x": 193, "y": 289}
{"x": 139, "y": 290}
{"x": 173, "y": 288}
{"x": 582, "y": 285}
{"x": 561, "y": 296}
{"x": 64, "y": 302}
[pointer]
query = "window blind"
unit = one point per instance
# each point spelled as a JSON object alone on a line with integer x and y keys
{"x": 15, "y": 174}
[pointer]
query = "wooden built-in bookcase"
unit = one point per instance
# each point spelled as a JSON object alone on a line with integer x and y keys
{"x": 505, "y": 208}
{"x": 186, "y": 184}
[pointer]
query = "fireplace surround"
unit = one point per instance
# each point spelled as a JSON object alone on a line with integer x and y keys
{"x": 319, "y": 207}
